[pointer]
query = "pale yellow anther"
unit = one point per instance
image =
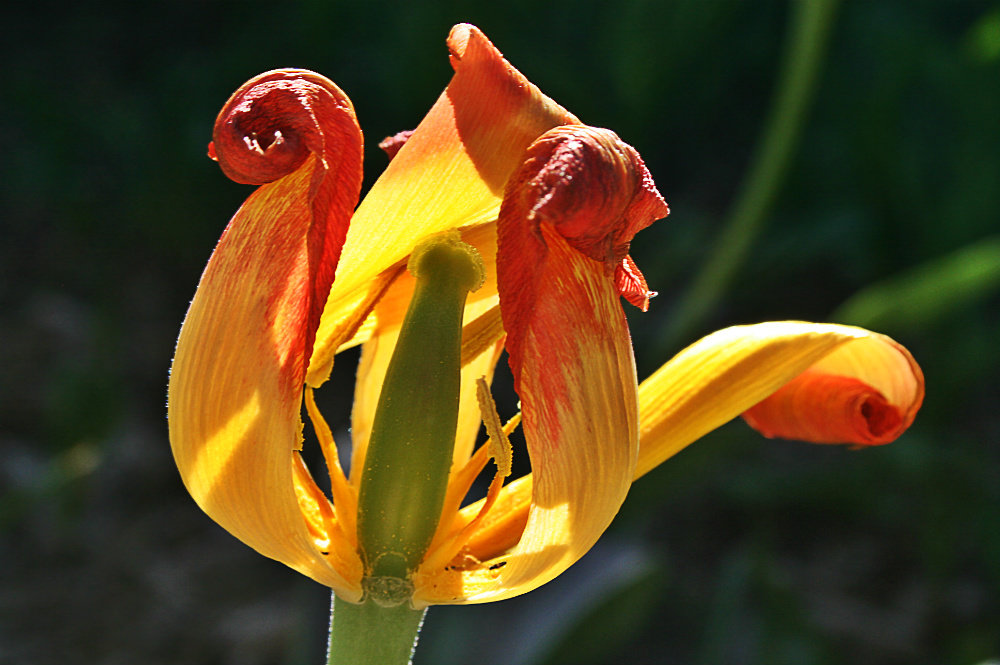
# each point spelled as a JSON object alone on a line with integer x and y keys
{"x": 499, "y": 445}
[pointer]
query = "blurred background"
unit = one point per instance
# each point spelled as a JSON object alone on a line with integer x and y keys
{"x": 831, "y": 163}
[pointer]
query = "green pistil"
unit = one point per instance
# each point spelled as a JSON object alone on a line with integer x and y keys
{"x": 405, "y": 475}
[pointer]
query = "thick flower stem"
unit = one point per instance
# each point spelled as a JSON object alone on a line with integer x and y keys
{"x": 369, "y": 634}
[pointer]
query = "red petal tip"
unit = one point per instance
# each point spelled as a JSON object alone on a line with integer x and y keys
{"x": 591, "y": 186}
{"x": 827, "y": 408}
{"x": 273, "y": 122}
{"x": 392, "y": 144}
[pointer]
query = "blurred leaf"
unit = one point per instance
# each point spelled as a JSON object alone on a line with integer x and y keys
{"x": 928, "y": 293}
{"x": 983, "y": 40}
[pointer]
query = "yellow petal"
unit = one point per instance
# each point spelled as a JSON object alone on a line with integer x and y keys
{"x": 235, "y": 394}
{"x": 449, "y": 174}
{"x": 722, "y": 375}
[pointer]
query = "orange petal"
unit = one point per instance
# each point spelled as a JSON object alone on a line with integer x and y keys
{"x": 840, "y": 400}
{"x": 235, "y": 391}
{"x": 592, "y": 189}
{"x": 449, "y": 174}
{"x": 720, "y": 376}
{"x": 632, "y": 285}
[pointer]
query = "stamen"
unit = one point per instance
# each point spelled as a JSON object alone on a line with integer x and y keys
{"x": 481, "y": 333}
{"x": 315, "y": 506}
{"x": 449, "y": 543}
{"x": 500, "y": 448}
{"x": 345, "y": 500}
{"x": 330, "y": 536}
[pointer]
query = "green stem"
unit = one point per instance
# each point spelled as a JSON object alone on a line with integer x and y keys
{"x": 369, "y": 634}
{"x": 808, "y": 38}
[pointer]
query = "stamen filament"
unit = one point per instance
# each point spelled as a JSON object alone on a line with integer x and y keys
{"x": 449, "y": 543}
{"x": 481, "y": 333}
{"x": 345, "y": 501}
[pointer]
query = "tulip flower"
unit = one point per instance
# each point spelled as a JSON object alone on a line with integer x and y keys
{"x": 501, "y": 223}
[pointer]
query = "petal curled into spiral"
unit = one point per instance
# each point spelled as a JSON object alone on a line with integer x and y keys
{"x": 793, "y": 379}
{"x": 861, "y": 394}
{"x": 236, "y": 383}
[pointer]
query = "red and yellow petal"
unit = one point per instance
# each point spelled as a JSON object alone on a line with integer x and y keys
{"x": 236, "y": 383}
{"x": 729, "y": 372}
{"x": 449, "y": 174}
{"x": 563, "y": 230}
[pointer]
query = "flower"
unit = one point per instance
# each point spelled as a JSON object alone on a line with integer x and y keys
{"x": 551, "y": 206}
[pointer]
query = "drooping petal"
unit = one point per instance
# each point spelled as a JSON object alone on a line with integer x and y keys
{"x": 236, "y": 383}
{"x": 861, "y": 393}
{"x": 722, "y": 375}
{"x": 567, "y": 218}
{"x": 449, "y": 174}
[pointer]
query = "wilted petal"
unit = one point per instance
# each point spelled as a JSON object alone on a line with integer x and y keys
{"x": 567, "y": 218}
{"x": 722, "y": 375}
{"x": 861, "y": 393}
{"x": 236, "y": 383}
{"x": 449, "y": 174}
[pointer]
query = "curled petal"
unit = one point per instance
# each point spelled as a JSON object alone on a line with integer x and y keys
{"x": 591, "y": 186}
{"x": 720, "y": 376}
{"x": 593, "y": 190}
{"x": 236, "y": 383}
{"x": 861, "y": 393}
{"x": 563, "y": 229}
{"x": 576, "y": 382}
{"x": 268, "y": 129}
{"x": 450, "y": 173}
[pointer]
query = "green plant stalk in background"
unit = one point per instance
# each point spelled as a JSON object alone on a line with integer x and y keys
{"x": 808, "y": 38}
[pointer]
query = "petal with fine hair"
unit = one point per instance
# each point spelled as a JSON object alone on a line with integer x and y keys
{"x": 236, "y": 382}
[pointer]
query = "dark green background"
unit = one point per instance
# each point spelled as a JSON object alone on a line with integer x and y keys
{"x": 738, "y": 551}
